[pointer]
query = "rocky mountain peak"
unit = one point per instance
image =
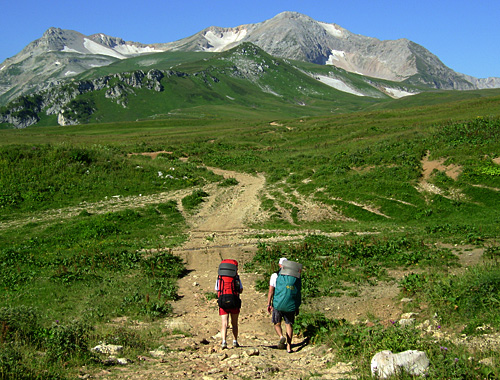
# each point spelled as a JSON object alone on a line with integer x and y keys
{"x": 290, "y": 15}
{"x": 107, "y": 40}
{"x": 52, "y": 31}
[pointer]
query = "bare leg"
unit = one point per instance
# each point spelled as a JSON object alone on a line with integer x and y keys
{"x": 234, "y": 324}
{"x": 278, "y": 329}
{"x": 223, "y": 330}
{"x": 289, "y": 334}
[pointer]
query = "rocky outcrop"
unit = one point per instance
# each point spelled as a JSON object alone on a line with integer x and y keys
{"x": 18, "y": 121}
{"x": 55, "y": 99}
{"x": 23, "y": 112}
{"x": 154, "y": 80}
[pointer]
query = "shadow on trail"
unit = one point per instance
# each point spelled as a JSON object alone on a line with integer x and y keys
{"x": 299, "y": 346}
{"x": 296, "y": 347}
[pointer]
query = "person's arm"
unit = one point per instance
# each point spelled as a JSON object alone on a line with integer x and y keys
{"x": 270, "y": 296}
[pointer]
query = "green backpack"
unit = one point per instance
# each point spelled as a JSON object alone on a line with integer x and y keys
{"x": 287, "y": 296}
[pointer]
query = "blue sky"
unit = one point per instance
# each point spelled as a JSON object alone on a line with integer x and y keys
{"x": 463, "y": 33}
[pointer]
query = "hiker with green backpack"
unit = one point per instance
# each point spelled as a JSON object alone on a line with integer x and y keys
{"x": 284, "y": 299}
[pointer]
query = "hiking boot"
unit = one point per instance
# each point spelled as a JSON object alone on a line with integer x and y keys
{"x": 281, "y": 344}
{"x": 224, "y": 345}
{"x": 235, "y": 343}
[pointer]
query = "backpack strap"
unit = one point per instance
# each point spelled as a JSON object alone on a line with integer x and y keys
{"x": 236, "y": 285}
{"x": 220, "y": 285}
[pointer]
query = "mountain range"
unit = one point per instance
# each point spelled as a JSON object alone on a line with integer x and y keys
{"x": 64, "y": 53}
{"x": 61, "y": 56}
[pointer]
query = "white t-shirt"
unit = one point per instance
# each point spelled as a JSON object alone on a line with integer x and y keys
{"x": 272, "y": 281}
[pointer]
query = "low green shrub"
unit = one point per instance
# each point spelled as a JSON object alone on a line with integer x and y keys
{"x": 470, "y": 299}
{"x": 124, "y": 336}
{"x": 413, "y": 283}
{"x": 492, "y": 252}
{"x": 19, "y": 363}
{"x": 66, "y": 341}
{"x": 20, "y": 324}
{"x": 22, "y": 335}
{"x": 210, "y": 296}
{"x": 315, "y": 327}
{"x": 193, "y": 200}
{"x": 228, "y": 182}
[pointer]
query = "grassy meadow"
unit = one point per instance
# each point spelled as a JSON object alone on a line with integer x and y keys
{"x": 67, "y": 267}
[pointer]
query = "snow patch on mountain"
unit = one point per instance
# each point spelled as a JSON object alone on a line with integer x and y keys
{"x": 221, "y": 40}
{"x": 95, "y": 48}
{"x": 398, "y": 93}
{"x": 135, "y": 50}
{"x": 332, "y": 29}
{"x": 67, "y": 49}
{"x": 339, "y": 85}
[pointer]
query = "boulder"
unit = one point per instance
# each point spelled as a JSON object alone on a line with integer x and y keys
{"x": 386, "y": 364}
{"x": 108, "y": 349}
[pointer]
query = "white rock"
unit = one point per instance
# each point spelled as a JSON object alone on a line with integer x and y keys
{"x": 406, "y": 322}
{"x": 386, "y": 364}
{"x": 158, "y": 353}
{"x": 252, "y": 352}
{"x": 122, "y": 361}
{"x": 108, "y": 349}
{"x": 408, "y": 315}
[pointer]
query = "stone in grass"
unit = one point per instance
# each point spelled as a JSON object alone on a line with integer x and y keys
{"x": 386, "y": 364}
{"x": 107, "y": 349}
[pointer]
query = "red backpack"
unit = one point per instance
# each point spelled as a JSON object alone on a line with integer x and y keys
{"x": 228, "y": 283}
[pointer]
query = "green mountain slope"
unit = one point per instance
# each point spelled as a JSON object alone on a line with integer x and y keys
{"x": 243, "y": 82}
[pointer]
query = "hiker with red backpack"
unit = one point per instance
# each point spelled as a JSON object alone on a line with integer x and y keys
{"x": 284, "y": 299}
{"x": 229, "y": 288}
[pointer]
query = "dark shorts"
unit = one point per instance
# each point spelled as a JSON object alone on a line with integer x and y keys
{"x": 278, "y": 316}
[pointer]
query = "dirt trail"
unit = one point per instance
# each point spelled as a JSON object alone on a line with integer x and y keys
{"x": 218, "y": 231}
